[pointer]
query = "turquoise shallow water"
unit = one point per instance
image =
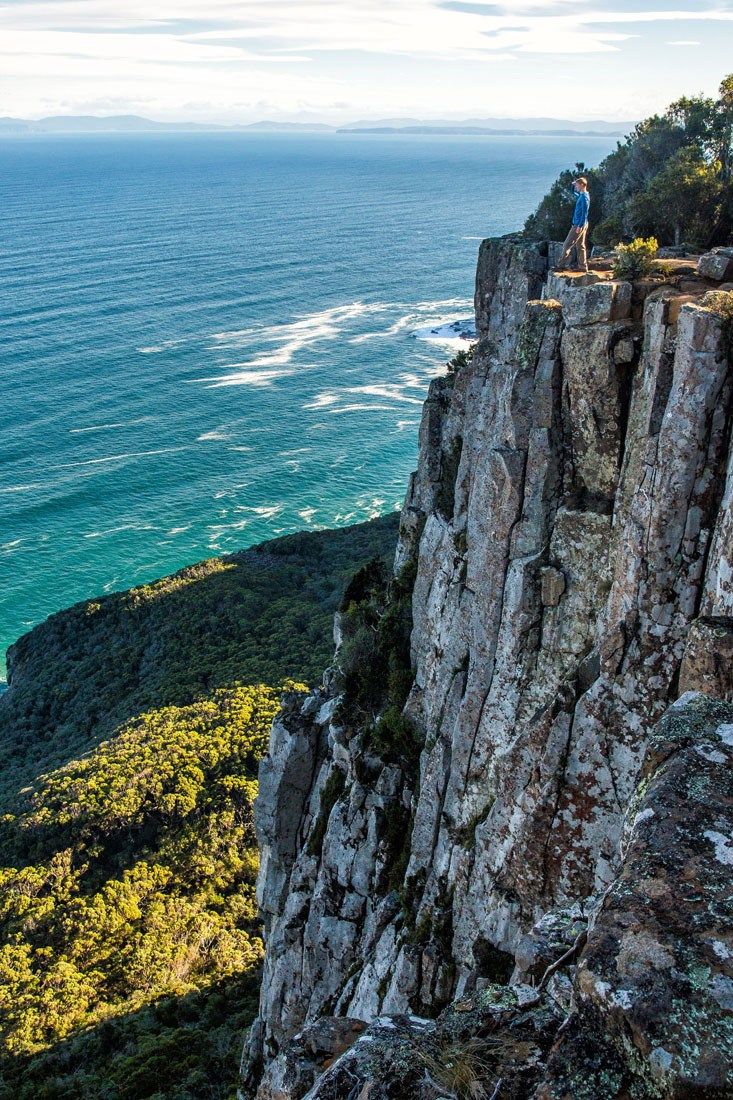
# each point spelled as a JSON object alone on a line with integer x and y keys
{"x": 209, "y": 340}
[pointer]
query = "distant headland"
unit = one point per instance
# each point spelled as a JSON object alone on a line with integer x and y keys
{"x": 86, "y": 124}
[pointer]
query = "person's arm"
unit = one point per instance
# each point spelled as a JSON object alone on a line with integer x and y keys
{"x": 580, "y": 214}
{"x": 577, "y": 216}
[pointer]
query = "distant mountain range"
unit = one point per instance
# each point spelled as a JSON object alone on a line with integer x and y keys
{"x": 84, "y": 124}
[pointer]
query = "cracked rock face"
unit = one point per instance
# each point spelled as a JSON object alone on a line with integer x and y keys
{"x": 654, "y": 985}
{"x": 569, "y": 526}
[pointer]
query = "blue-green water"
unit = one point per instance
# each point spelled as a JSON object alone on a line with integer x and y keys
{"x": 206, "y": 341}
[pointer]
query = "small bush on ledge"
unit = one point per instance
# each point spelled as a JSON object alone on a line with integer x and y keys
{"x": 460, "y": 360}
{"x": 636, "y": 260}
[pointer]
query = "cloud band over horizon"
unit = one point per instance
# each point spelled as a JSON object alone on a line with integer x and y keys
{"x": 333, "y": 60}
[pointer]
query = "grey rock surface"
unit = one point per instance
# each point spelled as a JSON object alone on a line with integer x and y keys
{"x": 717, "y": 264}
{"x": 654, "y": 985}
{"x": 569, "y": 530}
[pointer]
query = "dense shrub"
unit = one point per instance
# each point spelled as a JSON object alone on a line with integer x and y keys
{"x": 637, "y": 259}
{"x": 461, "y": 359}
{"x": 374, "y": 663}
{"x": 133, "y": 873}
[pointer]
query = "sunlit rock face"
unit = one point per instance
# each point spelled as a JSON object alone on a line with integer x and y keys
{"x": 569, "y": 529}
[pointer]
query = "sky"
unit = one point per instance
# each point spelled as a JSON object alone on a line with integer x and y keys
{"x": 336, "y": 61}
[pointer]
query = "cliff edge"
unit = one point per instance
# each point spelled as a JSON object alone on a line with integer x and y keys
{"x": 466, "y": 867}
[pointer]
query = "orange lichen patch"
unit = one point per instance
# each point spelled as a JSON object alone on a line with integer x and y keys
{"x": 676, "y": 304}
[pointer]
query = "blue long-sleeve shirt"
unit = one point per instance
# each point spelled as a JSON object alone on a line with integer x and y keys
{"x": 582, "y": 204}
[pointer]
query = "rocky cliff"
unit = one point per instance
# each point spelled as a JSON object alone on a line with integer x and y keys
{"x": 567, "y": 547}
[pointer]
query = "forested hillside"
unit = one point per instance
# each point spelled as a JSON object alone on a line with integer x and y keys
{"x": 130, "y": 739}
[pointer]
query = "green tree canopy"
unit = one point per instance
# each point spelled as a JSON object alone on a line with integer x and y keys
{"x": 670, "y": 177}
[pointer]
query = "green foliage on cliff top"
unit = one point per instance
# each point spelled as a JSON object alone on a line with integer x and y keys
{"x": 672, "y": 178}
{"x": 129, "y": 928}
{"x": 636, "y": 259}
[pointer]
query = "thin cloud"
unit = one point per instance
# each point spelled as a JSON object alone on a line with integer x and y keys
{"x": 319, "y": 52}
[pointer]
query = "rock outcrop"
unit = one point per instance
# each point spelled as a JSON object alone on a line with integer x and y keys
{"x": 570, "y": 536}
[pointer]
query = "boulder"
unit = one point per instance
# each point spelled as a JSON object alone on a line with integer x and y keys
{"x": 601, "y": 301}
{"x": 552, "y": 937}
{"x": 717, "y": 264}
{"x": 307, "y": 1056}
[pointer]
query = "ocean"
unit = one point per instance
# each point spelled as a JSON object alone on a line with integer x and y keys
{"x": 209, "y": 340}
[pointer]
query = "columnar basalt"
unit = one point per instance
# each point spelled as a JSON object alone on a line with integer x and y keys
{"x": 569, "y": 529}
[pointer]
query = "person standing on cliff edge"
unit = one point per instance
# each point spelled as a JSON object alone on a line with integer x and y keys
{"x": 575, "y": 242}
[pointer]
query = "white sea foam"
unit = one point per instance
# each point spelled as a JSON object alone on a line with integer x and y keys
{"x": 26, "y": 488}
{"x": 413, "y": 315}
{"x": 278, "y": 345}
{"x": 155, "y": 349}
{"x": 322, "y": 401}
{"x": 264, "y": 511}
{"x": 245, "y": 377}
{"x": 400, "y": 325}
{"x": 217, "y": 435}
{"x": 371, "y": 506}
{"x": 288, "y": 339}
{"x": 443, "y": 304}
{"x": 117, "y": 530}
{"x": 393, "y": 391}
{"x": 178, "y": 530}
{"x": 267, "y": 511}
{"x": 110, "y": 427}
{"x": 307, "y": 514}
{"x": 362, "y": 408}
{"x": 116, "y": 458}
{"x": 219, "y": 528}
{"x": 326, "y": 324}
